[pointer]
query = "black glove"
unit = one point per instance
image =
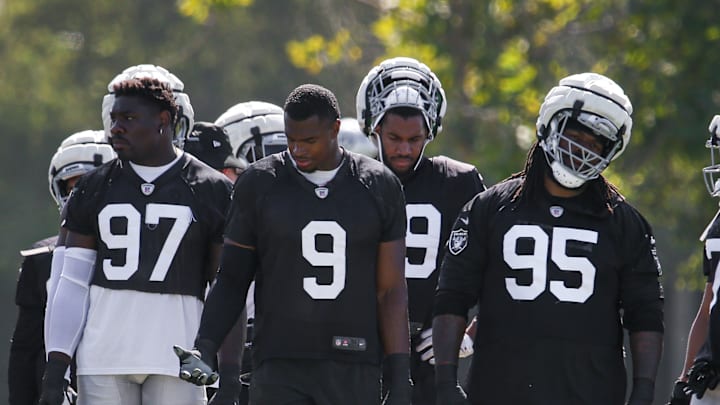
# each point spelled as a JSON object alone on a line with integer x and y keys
{"x": 396, "y": 377}
{"x": 680, "y": 394}
{"x": 229, "y": 391}
{"x": 448, "y": 390}
{"x": 53, "y": 383}
{"x": 702, "y": 376}
{"x": 198, "y": 365}
{"x": 643, "y": 392}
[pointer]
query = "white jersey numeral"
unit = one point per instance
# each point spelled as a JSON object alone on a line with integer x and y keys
{"x": 428, "y": 241}
{"x": 130, "y": 240}
{"x": 713, "y": 246}
{"x": 335, "y": 258}
{"x": 537, "y": 262}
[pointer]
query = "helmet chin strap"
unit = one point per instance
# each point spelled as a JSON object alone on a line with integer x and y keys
{"x": 422, "y": 152}
{"x": 378, "y": 143}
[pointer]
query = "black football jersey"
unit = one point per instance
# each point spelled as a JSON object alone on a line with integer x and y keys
{"x": 315, "y": 291}
{"x": 151, "y": 237}
{"x": 549, "y": 277}
{"x": 434, "y": 196}
{"x": 27, "y": 350}
{"x": 711, "y": 260}
{"x": 31, "y": 291}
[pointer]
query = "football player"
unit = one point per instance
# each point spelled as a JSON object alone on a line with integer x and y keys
{"x": 701, "y": 373}
{"x": 209, "y": 143}
{"x": 558, "y": 263}
{"x": 322, "y": 232}
{"x": 144, "y": 233}
{"x": 256, "y": 129}
{"x": 400, "y": 106}
{"x": 77, "y": 154}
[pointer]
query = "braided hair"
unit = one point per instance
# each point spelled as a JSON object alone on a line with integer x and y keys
{"x": 533, "y": 179}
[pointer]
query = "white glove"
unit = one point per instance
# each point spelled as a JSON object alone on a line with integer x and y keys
{"x": 425, "y": 347}
{"x": 426, "y": 344}
{"x": 466, "y": 347}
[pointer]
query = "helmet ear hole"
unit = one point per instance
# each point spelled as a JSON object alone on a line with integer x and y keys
{"x": 542, "y": 132}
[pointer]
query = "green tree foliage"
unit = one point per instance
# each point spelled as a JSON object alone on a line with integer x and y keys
{"x": 497, "y": 60}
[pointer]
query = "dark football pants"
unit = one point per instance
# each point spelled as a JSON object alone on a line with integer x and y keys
{"x": 314, "y": 382}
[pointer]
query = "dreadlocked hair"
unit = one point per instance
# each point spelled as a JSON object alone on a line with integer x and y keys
{"x": 152, "y": 90}
{"x": 533, "y": 178}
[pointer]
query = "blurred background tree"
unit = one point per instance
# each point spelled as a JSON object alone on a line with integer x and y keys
{"x": 496, "y": 59}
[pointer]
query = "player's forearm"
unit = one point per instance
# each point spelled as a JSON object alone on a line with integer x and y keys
{"x": 448, "y": 332}
{"x": 393, "y": 315}
{"x": 231, "y": 350}
{"x": 698, "y": 331}
{"x": 223, "y": 307}
{"x": 226, "y": 299}
{"x": 646, "y": 348}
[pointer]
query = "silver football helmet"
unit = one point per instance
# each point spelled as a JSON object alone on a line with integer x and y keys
{"x": 601, "y": 107}
{"x": 400, "y": 82}
{"x": 186, "y": 114}
{"x": 78, "y": 154}
{"x": 256, "y": 129}
{"x": 352, "y": 138}
{"x": 712, "y": 173}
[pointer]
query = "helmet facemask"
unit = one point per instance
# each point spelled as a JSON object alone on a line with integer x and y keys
{"x": 261, "y": 145}
{"x": 572, "y": 163}
{"x": 712, "y": 173}
{"x": 400, "y": 82}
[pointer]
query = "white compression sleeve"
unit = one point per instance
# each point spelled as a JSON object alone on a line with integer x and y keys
{"x": 55, "y": 269}
{"x": 71, "y": 301}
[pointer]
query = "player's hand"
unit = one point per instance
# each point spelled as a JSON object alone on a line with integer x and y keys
{"x": 643, "y": 391}
{"x": 680, "y": 394}
{"x": 229, "y": 391}
{"x": 192, "y": 367}
{"x": 225, "y": 398}
{"x": 466, "y": 347}
{"x": 396, "y": 374}
{"x": 451, "y": 395}
{"x": 425, "y": 347}
{"x": 53, "y": 383}
{"x": 701, "y": 377}
{"x": 448, "y": 390}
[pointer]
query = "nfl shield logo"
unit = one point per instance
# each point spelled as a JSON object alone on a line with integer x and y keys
{"x": 556, "y": 211}
{"x": 147, "y": 188}
{"x": 321, "y": 192}
{"x": 458, "y": 241}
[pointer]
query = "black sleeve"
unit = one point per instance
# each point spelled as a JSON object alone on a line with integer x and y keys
{"x": 241, "y": 219}
{"x": 78, "y": 213}
{"x": 460, "y": 274}
{"x": 641, "y": 293}
{"x": 226, "y": 299}
{"x": 395, "y": 213}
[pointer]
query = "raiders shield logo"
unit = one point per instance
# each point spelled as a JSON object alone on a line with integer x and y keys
{"x": 556, "y": 211}
{"x": 147, "y": 188}
{"x": 321, "y": 192}
{"x": 458, "y": 241}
